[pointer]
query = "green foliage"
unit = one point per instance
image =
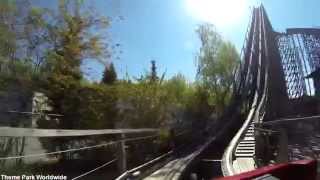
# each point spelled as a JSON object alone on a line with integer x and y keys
{"x": 69, "y": 32}
{"x": 73, "y": 40}
{"x": 21, "y": 34}
{"x": 153, "y": 76}
{"x": 161, "y": 104}
{"x": 217, "y": 61}
{"x": 109, "y": 75}
{"x": 178, "y": 89}
{"x": 57, "y": 42}
{"x": 7, "y": 35}
{"x": 83, "y": 106}
{"x": 144, "y": 104}
{"x": 97, "y": 107}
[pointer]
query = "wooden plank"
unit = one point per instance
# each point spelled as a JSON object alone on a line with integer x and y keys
{"x": 32, "y": 132}
{"x": 172, "y": 170}
{"x": 246, "y": 164}
{"x": 247, "y": 142}
{"x": 34, "y": 114}
{"x": 236, "y": 167}
{"x": 246, "y": 145}
{"x": 244, "y": 155}
{"x": 122, "y": 157}
{"x": 246, "y": 148}
{"x": 248, "y": 138}
{"x": 244, "y": 151}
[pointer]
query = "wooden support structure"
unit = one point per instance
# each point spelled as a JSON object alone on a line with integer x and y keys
{"x": 283, "y": 147}
{"x": 34, "y": 132}
{"x": 122, "y": 156}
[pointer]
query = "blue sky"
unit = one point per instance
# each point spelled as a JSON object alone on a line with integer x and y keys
{"x": 164, "y": 30}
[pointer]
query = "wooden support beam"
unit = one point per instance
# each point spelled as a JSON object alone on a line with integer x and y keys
{"x": 122, "y": 156}
{"x": 32, "y": 132}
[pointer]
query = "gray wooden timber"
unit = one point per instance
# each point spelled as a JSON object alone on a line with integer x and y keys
{"x": 32, "y": 132}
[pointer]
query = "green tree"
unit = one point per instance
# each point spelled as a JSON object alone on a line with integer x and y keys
{"x": 19, "y": 32}
{"x": 7, "y": 34}
{"x": 15, "y": 66}
{"x": 216, "y": 61}
{"x": 177, "y": 86}
{"x": 15, "y": 71}
{"x": 109, "y": 75}
{"x": 73, "y": 42}
{"x": 153, "y": 75}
